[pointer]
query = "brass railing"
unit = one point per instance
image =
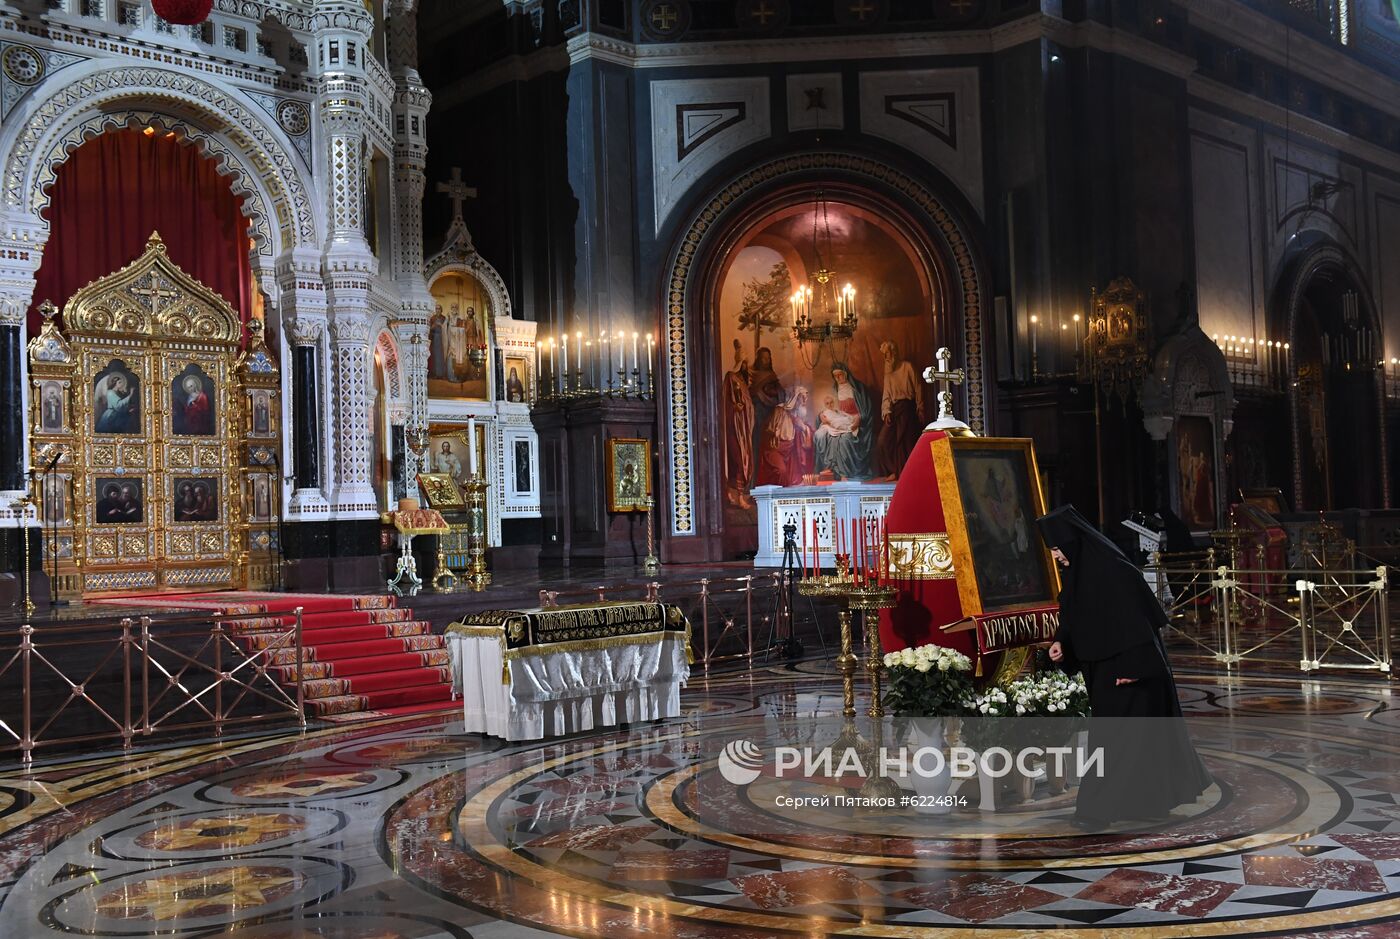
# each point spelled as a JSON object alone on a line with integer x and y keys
{"x": 742, "y": 610}
{"x": 1346, "y": 621}
{"x": 1330, "y": 617}
{"x": 120, "y": 679}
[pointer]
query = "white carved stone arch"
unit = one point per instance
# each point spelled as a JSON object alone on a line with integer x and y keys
{"x": 279, "y": 201}
{"x": 388, "y": 348}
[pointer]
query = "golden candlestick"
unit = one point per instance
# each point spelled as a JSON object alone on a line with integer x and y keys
{"x": 871, "y": 599}
{"x": 847, "y": 662}
{"x": 652, "y": 564}
{"x": 23, "y": 503}
{"x": 444, "y": 581}
{"x": 478, "y": 578}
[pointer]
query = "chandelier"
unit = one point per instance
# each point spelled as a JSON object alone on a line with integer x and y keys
{"x": 822, "y": 311}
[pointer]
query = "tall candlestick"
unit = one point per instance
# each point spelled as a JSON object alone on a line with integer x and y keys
{"x": 564, "y": 361}
{"x": 651, "y": 356}
{"x": 471, "y": 444}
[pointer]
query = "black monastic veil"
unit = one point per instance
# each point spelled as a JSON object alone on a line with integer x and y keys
{"x": 1110, "y": 624}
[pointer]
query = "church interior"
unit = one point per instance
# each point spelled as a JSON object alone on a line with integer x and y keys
{"x": 503, "y": 469}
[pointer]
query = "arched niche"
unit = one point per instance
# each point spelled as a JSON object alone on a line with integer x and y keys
{"x": 1188, "y": 403}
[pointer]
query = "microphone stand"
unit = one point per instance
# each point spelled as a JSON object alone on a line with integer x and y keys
{"x": 274, "y": 504}
{"x": 51, "y": 522}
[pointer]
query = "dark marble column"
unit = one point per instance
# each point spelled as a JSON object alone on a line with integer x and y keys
{"x": 12, "y": 457}
{"x": 306, "y": 419}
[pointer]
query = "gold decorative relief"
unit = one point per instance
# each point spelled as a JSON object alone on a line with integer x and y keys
{"x": 921, "y": 557}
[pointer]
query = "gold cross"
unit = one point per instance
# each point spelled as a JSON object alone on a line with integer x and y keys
{"x": 156, "y": 293}
{"x": 664, "y": 17}
{"x": 860, "y": 9}
{"x": 762, "y": 12}
{"x": 961, "y": 6}
{"x": 945, "y": 376}
{"x": 457, "y": 191}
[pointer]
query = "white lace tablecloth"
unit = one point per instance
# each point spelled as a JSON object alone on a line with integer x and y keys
{"x": 555, "y": 693}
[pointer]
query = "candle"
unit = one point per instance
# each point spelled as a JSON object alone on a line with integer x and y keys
{"x": 592, "y": 363}
{"x": 538, "y": 344}
{"x": 651, "y": 355}
{"x": 564, "y": 361}
{"x": 634, "y": 350}
{"x": 578, "y": 354}
{"x": 471, "y": 444}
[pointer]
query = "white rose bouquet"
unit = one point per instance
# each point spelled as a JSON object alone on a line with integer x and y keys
{"x": 928, "y": 681}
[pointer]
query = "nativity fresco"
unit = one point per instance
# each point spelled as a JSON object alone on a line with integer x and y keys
{"x": 838, "y": 410}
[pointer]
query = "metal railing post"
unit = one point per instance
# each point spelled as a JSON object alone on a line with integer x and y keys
{"x": 301, "y": 692}
{"x": 219, "y": 678}
{"x": 1383, "y": 616}
{"x": 1305, "y": 623}
{"x": 145, "y": 675}
{"x": 127, "y": 730}
{"x": 26, "y": 740}
{"x": 748, "y": 610}
{"x": 705, "y": 619}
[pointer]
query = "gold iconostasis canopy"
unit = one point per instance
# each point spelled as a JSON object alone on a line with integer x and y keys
{"x": 166, "y": 434}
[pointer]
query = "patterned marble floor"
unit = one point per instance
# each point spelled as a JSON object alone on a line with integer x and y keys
{"x": 411, "y": 828}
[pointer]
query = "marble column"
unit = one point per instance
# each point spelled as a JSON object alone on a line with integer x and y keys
{"x": 306, "y": 405}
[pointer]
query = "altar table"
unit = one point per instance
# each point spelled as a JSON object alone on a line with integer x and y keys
{"x": 528, "y": 674}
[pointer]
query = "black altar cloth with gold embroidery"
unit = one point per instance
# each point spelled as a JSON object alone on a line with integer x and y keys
{"x": 597, "y": 624}
{"x": 526, "y": 674}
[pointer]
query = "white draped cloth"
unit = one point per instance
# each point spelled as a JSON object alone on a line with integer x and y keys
{"x": 551, "y": 693}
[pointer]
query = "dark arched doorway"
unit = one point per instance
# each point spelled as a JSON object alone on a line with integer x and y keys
{"x": 1338, "y": 432}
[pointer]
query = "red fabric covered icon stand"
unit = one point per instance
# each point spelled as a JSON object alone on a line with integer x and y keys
{"x": 927, "y": 589}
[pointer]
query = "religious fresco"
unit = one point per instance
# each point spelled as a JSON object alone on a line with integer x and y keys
{"x": 844, "y": 410}
{"x": 1195, "y": 472}
{"x": 461, "y": 322}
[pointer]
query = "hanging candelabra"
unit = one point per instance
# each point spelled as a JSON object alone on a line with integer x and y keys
{"x": 821, "y": 311}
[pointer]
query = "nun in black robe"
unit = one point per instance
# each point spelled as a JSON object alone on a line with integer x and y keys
{"x": 1110, "y": 624}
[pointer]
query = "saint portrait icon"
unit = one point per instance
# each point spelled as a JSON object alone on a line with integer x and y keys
{"x": 51, "y": 407}
{"x": 119, "y": 501}
{"x": 196, "y": 500}
{"x": 192, "y": 403}
{"x": 262, "y": 418}
{"x": 116, "y": 400}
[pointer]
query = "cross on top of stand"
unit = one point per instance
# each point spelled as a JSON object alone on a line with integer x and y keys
{"x": 457, "y": 191}
{"x": 946, "y": 376}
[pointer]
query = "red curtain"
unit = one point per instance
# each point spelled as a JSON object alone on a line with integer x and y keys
{"x": 114, "y": 190}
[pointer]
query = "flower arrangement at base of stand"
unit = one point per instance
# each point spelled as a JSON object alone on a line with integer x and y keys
{"x": 1040, "y": 694}
{"x": 928, "y": 681}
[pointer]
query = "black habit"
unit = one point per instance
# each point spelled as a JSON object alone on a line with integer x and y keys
{"x": 1110, "y": 624}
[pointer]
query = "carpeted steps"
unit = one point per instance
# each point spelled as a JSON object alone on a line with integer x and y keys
{"x": 361, "y": 655}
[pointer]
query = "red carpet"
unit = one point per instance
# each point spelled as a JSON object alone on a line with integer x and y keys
{"x": 362, "y": 656}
